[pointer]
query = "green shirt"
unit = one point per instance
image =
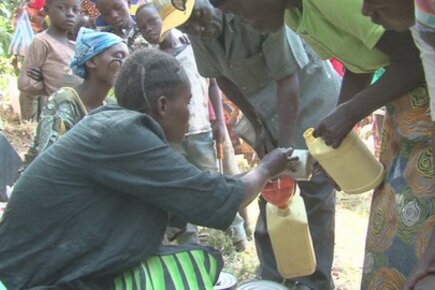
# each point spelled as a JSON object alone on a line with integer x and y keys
{"x": 336, "y": 28}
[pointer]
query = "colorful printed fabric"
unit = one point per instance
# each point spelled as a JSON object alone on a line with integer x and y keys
{"x": 196, "y": 268}
{"x": 403, "y": 208}
{"x": 425, "y": 12}
{"x": 88, "y": 8}
{"x": 64, "y": 109}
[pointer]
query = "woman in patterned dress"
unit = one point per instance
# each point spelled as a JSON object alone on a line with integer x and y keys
{"x": 98, "y": 58}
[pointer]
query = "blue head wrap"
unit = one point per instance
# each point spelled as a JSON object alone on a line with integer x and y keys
{"x": 90, "y": 43}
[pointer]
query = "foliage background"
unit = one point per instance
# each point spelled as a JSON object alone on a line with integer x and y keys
{"x": 7, "y": 10}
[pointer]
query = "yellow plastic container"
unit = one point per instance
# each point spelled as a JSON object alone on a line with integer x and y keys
{"x": 352, "y": 166}
{"x": 291, "y": 239}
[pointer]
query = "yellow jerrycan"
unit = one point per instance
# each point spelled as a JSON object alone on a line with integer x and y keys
{"x": 287, "y": 225}
{"x": 352, "y": 166}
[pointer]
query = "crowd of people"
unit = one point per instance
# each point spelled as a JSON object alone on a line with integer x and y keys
{"x": 124, "y": 160}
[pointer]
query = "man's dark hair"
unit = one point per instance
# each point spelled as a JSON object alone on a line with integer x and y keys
{"x": 146, "y": 75}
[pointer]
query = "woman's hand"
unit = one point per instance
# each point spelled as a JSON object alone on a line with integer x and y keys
{"x": 35, "y": 74}
{"x": 278, "y": 160}
{"x": 335, "y": 127}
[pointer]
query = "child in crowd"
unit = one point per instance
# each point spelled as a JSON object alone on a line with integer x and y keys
{"x": 98, "y": 58}
{"x": 46, "y": 65}
{"x": 198, "y": 145}
{"x": 82, "y": 21}
{"x": 116, "y": 18}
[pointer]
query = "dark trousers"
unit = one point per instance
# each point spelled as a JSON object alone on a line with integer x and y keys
{"x": 319, "y": 198}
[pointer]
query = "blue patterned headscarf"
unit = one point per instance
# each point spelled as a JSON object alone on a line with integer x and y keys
{"x": 90, "y": 43}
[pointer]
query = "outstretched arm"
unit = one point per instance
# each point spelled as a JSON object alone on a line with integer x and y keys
{"x": 403, "y": 74}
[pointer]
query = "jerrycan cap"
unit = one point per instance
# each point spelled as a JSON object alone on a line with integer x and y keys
{"x": 308, "y": 135}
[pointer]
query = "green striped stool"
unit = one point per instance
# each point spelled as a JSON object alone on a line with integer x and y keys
{"x": 189, "y": 267}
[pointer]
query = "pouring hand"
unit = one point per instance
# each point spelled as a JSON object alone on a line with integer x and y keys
{"x": 335, "y": 127}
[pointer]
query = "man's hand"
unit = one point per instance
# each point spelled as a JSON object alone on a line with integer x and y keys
{"x": 35, "y": 74}
{"x": 335, "y": 127}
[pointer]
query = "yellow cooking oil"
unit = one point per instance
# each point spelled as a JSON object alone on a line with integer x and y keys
{"x": 352, "y": 166}
{"x": 291, "y": 239}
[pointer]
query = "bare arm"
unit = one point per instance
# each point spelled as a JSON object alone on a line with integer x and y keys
{"x": 403, "y": 74}
{"x": 263, "y": 145}
{"x": 352, "y": 84}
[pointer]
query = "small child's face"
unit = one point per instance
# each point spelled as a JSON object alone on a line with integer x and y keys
{"x": 63, "y": 13}
{"x": 150, "y": 24}
{"x": 115, "y": 12}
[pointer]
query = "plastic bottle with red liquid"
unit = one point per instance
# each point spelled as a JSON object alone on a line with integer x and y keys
{"x": 288, "y": 229}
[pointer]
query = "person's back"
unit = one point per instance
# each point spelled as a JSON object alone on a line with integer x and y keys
{"x": 72, "y": 180}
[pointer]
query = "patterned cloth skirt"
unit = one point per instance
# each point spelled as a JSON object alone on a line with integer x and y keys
{"x": 403, "y": 208}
